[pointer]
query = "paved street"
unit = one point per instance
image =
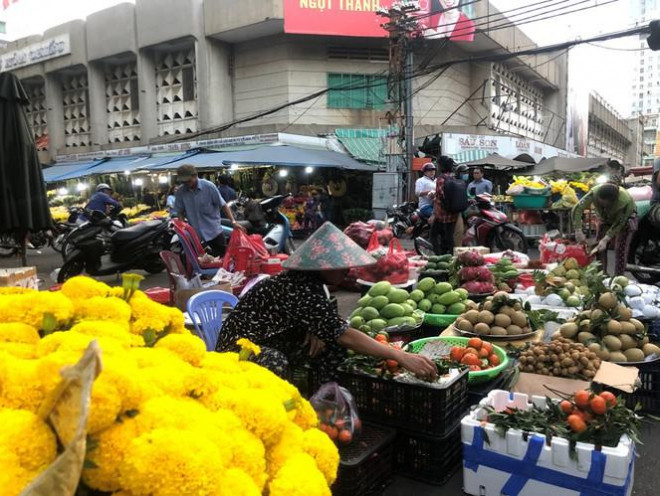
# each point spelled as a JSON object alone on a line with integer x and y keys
{"x": 647, "y": 473}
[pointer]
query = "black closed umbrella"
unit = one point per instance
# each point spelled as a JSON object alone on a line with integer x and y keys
{"x": 23, "y": 201}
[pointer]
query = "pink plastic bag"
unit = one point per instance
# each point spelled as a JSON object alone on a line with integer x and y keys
{"x": 392, "y": 265}
{"x": 337, "y": 413}
{"x": 557, "y": 250}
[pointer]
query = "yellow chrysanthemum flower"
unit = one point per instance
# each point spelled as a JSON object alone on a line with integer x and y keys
{"x": 319, "y": 446}
{"x": 20, "y": 383}
{"x": 77, "y": 342}
{"x": 235, "y": 482}
{"x": 106, "y": 405}
{"x": 299, "y": 477}
{"x": 186, "y": 346}
{"x": 106, "y": 453}
{"x": 83, "y": 288}
{"x": 171, "y": 462}
{"x": 17, "y": 332}
{"x": 26, "y": 435}
{"x": 14, "y": 290}
{"x": 305, "y": 417}
{"x": 31, "y": 308}
{"x": 248, "y": 348}
{"x": 99, "y": 308}
{"x": 222, "y": 362}
{"x": 248, "y": 454}
{"x": 289, "y": 444}
{"x": 13, "y": 477}
{"x": 19, "y": 350}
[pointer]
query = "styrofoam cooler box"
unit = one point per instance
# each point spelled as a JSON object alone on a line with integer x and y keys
{"x": 510, "y": 465}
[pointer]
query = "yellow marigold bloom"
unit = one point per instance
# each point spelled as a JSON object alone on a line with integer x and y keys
{"x": 177, "y": 322}
{"x": 77, "y": 342}
{"x": 26, "y": 435}
{"x": 99, "y": 308}
{"x": 248, "y": 454}
{"x": 235, "y": 482}
{"x": 260, "y": 411}
{"x": 247, "y": 349}
{"x": 106, "y": 405}
{"x": 205, "y": 383}
{"x": 305, "y": 415}
{"x": 17, "y": 332}
{"x": 12, "y": 290}
{"x": 30, "y": 308}
{"x": 319, "y": 446}
{"x": 13, "y": 477}
{"x": 171, "y": 378}
{"x": 147, "y": 315}
{"x": 152, "y": 357}
{"x": 186, "y": 346}
{"x": 19, "y": 350}
{"x": 299, "y": 477}
{"x": 221, "y": 362}
{"x": 103, "y": 328}
{"x": 20, "y": 384}
{"x": 83, "y": 288}
{"x": 106, "y": 453}
{"x": 289, "y": 444}
{"x": 169, "y": 462}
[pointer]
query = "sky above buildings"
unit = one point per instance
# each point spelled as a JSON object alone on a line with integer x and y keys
{"x": 605, "y": 68}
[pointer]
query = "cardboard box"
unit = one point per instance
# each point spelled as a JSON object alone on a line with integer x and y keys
{"x": 609, "y": 374}
{"x": 22, "y": 277}
{"x": 183, "y": 295}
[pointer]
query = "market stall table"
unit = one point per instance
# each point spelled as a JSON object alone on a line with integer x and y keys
{"x": 538, "y": 336}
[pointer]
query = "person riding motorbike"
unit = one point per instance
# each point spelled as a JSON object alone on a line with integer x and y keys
{"x": 101, "y": 201}
{"x": 425, "y": 189}
{"x": 618, "y": 219}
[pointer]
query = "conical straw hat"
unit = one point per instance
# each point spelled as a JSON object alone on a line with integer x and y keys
{"x": 328, "y": 249}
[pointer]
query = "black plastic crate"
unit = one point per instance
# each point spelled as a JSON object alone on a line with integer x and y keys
{"x": 366, "y": 466}
{"x": 414, "y": 407}
{"x": 306, "y": 379}
{"x": 431, "y": 459}
{"x": 477, "y": 392}
{"x": 648, "y": 393}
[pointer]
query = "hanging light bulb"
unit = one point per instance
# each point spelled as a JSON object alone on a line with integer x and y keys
{"x": 62, "y": 191}
{"x": 309, "y": 170}
{"x": 283, "y": 173}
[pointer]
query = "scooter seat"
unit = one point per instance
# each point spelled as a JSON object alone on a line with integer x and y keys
{"x": 133, "y": 232}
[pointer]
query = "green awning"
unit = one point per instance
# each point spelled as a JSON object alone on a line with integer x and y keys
{"x": 469, "y": 155}
{"x": 367, "y": 145}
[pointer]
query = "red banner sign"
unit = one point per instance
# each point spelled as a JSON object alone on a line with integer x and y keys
{"x": 436, "y": 18}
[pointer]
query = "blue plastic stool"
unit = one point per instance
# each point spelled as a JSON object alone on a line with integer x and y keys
{"x": 205, "y": 310}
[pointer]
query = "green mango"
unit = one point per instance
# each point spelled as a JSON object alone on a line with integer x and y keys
{"x": 369, "y": 313}
{"x": 442, "y": 288}
{"x": 397, "y": 295}
{"x": 380, "y": 289}
{"x": 392, "y": 310}
{"x": 438, "y": 309}
{"x": 449, "y": 298}
{"x": 379, "y": 302}
{"x": 364, "y": 301}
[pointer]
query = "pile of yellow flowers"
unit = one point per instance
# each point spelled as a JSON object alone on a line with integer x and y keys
{"x": 527, "y": 182}
{"x": 167, "y": 417}
{"x": 131, "y": 212}
{"x": 59, "y": 214}
{"x": 158, "y": 215}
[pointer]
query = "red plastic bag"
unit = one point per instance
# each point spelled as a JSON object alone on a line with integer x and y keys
{"x": 360, "y": 232}
{"x": 242, "y": 251}
{"x": 392, "y": 265}
{"x": 261, "y": 250}
{"x": 337, "y": 412}
{"x": 559, "y": 249}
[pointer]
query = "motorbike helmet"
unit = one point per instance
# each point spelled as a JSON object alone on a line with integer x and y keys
{"x": 461, "y": 168}
{"x": 103, "y": 186}
{"x": 428, "y": 166}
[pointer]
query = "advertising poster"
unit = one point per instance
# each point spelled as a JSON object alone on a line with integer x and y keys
{"x": 436, "y": 18}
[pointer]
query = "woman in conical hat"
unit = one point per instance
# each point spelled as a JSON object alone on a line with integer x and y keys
{"x": 293, "y": 321}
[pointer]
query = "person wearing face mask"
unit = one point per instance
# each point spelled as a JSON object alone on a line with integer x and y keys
{"x": 618, "y": 220}
{"x": 425, "y": 189}
{"x": 479, "y": 184}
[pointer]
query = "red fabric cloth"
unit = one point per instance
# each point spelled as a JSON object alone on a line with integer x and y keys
{"x": 440, "y": 214}
{"x": 463, "y": 29}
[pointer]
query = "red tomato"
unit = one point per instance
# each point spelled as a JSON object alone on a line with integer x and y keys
{"x": 487, "y": 346}
{"x": 475, "y": 343}
{"x": 483, "y": 353}
{"x": 475, "y": 368}
{"x": 469, "y": 349}
{"x": 609, "y": 398}
{"x": 345, "y": 436}
{"x": 494, "y": 360}
{"x": 456, "y": 353}
{"x": 470, "y": 359}
{"x": 598, "y": 405}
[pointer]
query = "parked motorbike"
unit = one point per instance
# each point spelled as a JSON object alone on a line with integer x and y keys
{"x": 86, "y": 221}
{"x": 62, "y": 229}
{"x": 406, "y": 220}
{"x": 136, "y": 247}
{"x": 486, "y": 226}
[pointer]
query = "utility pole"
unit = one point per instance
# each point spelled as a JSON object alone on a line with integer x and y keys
{"x": 401, "y": 26}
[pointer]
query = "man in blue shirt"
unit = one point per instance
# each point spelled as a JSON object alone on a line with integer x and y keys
{"x": 200, "y": 202}
{"x": 226, "y": 191}
{"x": 101, "y": 200}
{"x": 480, "y": 184}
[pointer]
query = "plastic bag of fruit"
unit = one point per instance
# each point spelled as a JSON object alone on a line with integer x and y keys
{"x": 392, "y": 265}
{"x": 337, "y": 412}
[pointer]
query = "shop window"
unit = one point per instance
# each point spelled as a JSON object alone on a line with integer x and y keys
{"x": 357, "y": 91}
{"x": 188, "y": 84}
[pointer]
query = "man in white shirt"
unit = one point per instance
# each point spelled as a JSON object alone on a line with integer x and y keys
{"x": 425, "y": 189}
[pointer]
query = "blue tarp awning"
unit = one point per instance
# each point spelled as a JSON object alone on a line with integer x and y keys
{"x": 57, "y": 173}
{"x": 272, "y": 155}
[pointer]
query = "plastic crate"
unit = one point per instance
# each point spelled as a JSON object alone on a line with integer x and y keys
{"x": 431, "y": 459}
{"x": 647, "y": 395}
{"x": 530, "y": 201}
{"x": 434, "y": 411}
{"x": 366, "y": 466}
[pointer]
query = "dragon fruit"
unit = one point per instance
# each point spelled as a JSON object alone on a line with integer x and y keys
{"x": 477, "y": 287}
{"x": 470, "y": 258}
{"x": 481, "y": 273}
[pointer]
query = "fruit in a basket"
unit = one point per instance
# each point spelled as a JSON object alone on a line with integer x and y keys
{"x": 560, "y": 357}
{"x": 425, "y": 305}
{"x": 498, "y": 331}
{"x": 369, "y": 313}
{"x": 377, "y": 325}
{"x": 397, "y": 295}
{"x": 568, "y": 330}
{"x": 392, "y": 310}
{"x": 449, "y": 298}
{"x": 634, "y": 355}
{"x": 417, "y": 295}
{"x": 607, "y": 301}
{"x": 442, "y": 288}
{"x": 425, "y": 285}
{"x": 456, "y": 309}
{"x": 380, "y": 289}
{"x": 617, "y": 357}
{"x": 356, "y": 322}
{"x": 481, "y": 328}
{"x": 364, "y": 301}
{"x": 486, "y": 317}
{"x": 464, "y": 325}
{"x": 407, "y": 309}
{"x": 379, "y": 302}
{"x": 438, "y": 309}
{"x": 650, "y": 349}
